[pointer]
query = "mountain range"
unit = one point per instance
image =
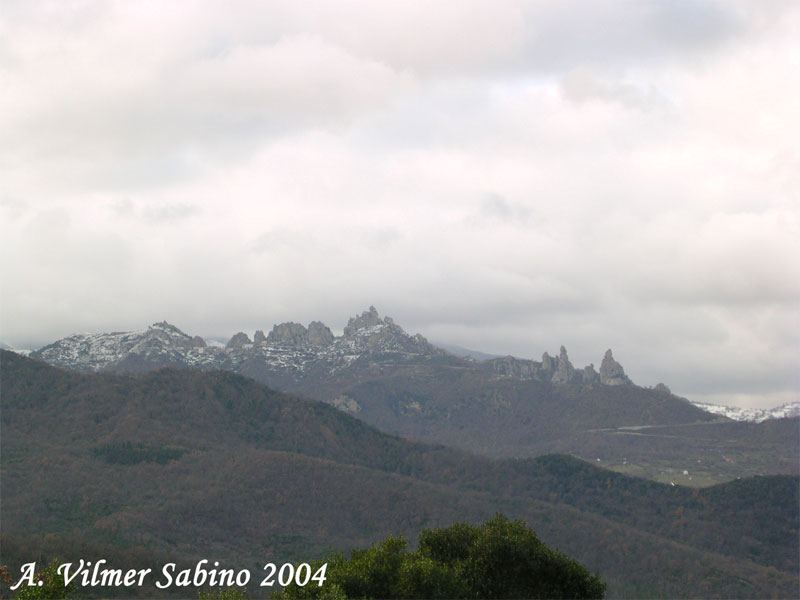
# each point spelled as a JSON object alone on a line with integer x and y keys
{"x": 499, "y": 407}
{"x": 292, "y": 349}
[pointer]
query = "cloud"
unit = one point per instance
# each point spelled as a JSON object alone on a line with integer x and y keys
{"x": 170, "y": 212}
{"x": 622, "y": 34}
{"x": 509, "y": 177}
{"x": 582, "y": 85}
{"x": 494, "y": 206}
{"x": 161, "y": 120}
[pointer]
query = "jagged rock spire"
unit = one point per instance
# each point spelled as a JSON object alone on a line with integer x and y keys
{"x": 548, "y": 364}
{"x": 366, "y": 319}
{"x": 564, "y": 370}
{"x": 611, "y": 372}
{"x": 239, "y": 341}
{"x": 590, "y": 375}
{"x": 559, "y": 370}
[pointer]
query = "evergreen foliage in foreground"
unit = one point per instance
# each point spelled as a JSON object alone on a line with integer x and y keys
{"x": 51, "y": 588}
{"x": 499, "y": 559}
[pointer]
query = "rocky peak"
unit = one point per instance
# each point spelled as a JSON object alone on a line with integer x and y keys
{"x": 559, "y": 370}
{"x": 590, "y": 375}
{"x": 167, "y": 328}
{"x": 167, "y": 334}
{"x": 370, "y": 333}
{"x": 160, "y": 344}
{"x": 369, "y": 318}
{"x": 290, "y": 333}
{"x": 240, "y": 340}
{"x": 319, "y": 334}
{"x": 611, "y": 372}
{"x": 510, "y": 366}
{"x": 259, "y": 339}
{"x": 564, "y": 370}
{"x": 296, "y": 335}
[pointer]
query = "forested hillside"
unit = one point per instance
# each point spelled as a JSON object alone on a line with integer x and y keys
{"x": 184, "y": 463}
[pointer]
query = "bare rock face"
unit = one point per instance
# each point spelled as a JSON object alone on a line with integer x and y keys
{"x": 240, "y": 340}
{"x": 296, "y": 335}
{"x": 319, "y": 334}
{"x": 292, "y": 334}
{"x": 371, "y": 334}
{"x": 548, "y": 364}
{"x": 564, "y": 368}
{"x": 611, "y": 372}
{"x": 198, "y": 342}
{"x": 557, "y": 370}
{"x": 590, "y": 375}
{"x": 509, "y": 366}
{"x": 259, "y": 339}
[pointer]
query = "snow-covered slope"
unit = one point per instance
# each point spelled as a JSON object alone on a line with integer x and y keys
{"x": 290, "y": 347}
{"x": 755, "y": 415}
{"x": 161, "y": 343}
{"x": 292, "y": 352}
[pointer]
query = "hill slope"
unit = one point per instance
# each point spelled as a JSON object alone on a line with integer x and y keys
{"x": 189, "y": 462}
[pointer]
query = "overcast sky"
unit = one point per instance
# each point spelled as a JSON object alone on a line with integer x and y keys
{"x": 506, "y": 176}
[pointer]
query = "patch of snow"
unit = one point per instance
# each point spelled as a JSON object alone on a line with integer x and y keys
{"x": 754, "y": 415}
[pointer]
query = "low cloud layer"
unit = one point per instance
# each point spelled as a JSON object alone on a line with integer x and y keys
{"x": 509, "y": 177}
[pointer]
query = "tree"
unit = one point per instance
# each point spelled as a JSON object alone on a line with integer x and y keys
{"x": 225, "y": 594}
{"x": 499, "y": 559}
{"x": 52, "y": 588}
